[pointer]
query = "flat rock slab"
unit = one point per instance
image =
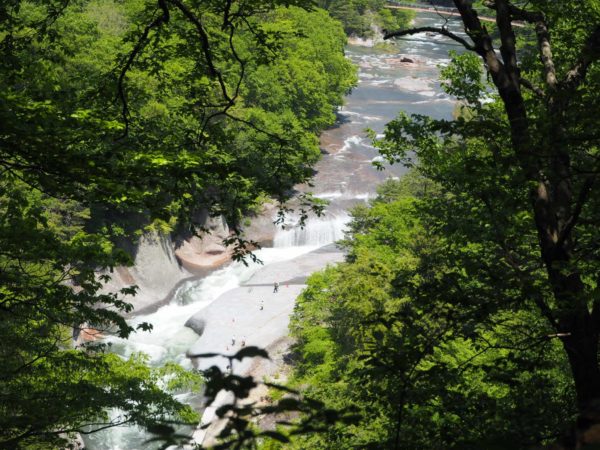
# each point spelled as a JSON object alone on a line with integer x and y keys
{"x": 236, "y": 317}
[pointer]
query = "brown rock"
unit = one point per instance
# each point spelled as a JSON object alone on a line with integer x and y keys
{"x": 208, "y": 252}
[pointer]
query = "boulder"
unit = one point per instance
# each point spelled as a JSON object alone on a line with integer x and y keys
{"x": 196, "y": 323}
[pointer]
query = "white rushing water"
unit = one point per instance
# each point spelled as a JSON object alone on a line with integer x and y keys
{"x": 317, "y": 233}
{"x": 169, "y": 339}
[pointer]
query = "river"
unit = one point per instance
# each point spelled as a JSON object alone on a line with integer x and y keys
{"x": 345, "y": 176}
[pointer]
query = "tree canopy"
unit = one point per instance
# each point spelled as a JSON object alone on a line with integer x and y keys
{"x": 362, "y": 17}
{"x": 121, "y": 117}
{"x": 409, "y": 336}
{"x": 467, "y": 314}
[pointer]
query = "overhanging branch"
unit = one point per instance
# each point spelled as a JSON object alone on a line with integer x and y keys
{"x": 137, "y": 49}
{"x": 517, "y": 13}
{"x": 573, "y": 220}
{"x": 205, "y": 46}
{"x": 442, "y": 31}
{"x": 533, "y": 88}
{"x": 589, "y": 54}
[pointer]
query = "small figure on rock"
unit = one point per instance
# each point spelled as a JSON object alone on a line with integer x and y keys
{"x": 233, "y": 341}
{"x": 275, "y": 287}
{"x": 243, "y": 342}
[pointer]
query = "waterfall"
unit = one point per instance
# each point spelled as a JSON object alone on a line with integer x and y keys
{"x": 317, "y": 232}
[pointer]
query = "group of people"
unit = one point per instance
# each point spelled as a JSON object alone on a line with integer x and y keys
{"x": 275, "y": 290}
{"x": 242, "y": 343}
{"x": 262, "y": 306}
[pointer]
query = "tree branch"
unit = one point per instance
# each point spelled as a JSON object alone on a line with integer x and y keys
{"x": 507, "y": 37}
{"x": 517, "y": 13}
{"x": 589, "y": 54}
{"x": 478, "y": 33}
{"x": 533, "y": 88}
{"x": 443, "y": 31}
{"x": 574, "y": 218}
{"x": 541, "y": 30}
{"x": 206, "y": 47}
{"x": 139, "y": 46}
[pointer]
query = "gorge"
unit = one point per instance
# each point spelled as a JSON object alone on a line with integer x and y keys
{"x": 228, "y": 221}
{"x": 345, "y": 177}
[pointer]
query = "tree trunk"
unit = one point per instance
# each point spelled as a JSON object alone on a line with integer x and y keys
{"x": 581, "y": 340}
{"x": 552, "y": 200}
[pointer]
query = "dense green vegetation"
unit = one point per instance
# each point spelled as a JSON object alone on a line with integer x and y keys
{"x": 120, "y": 117}
{"x": 466, "y": 315}
{"x": 360, "y": 17}
{"x": 410, "y": 334}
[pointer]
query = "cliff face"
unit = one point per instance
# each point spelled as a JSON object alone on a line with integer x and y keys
{"x": 162, "y": 263}
{"x": 156, "y": 272}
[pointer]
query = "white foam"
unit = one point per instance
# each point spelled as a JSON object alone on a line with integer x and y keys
{"x": 329, "y": 195}
{"x": 413, "y": 84}
{"x": 349, "y": 142}
{"x": 317, "y": 232}
{"x": 347, "y": 195}
{"x": 379, "y": 82}
{"x": 169, "y": 338}
{"x": 355, "y": 140}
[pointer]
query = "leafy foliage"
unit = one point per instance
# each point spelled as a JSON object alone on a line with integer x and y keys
{"x": 360, "y": 16}
{"x": 239, "y": 413}
{"x": 467, "y": 317}
{"x": 116, "y": 118}
{"x": 429, "y": 350}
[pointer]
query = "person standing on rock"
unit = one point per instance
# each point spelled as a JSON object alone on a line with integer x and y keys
{"x": 275, "y": 287}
